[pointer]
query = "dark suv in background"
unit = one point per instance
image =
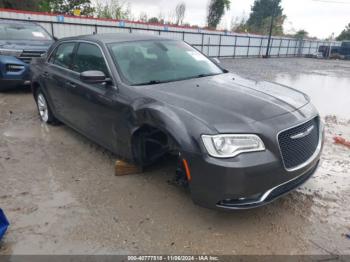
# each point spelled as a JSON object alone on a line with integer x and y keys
{"x": 19, "y": 43}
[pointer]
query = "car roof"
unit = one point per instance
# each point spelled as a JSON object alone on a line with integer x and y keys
{"x": 116, "y": 37}
{"x": 16, "y": 22}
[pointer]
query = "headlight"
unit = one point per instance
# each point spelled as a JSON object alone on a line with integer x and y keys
{"x": 10, "y": 52}
{"x": 226, "y": 146}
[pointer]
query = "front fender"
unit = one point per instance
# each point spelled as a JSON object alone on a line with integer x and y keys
{"x": 184, "y": 128}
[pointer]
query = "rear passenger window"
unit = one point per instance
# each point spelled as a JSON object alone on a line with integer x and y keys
{"x": 89, "y": 57}
{"x": 63, "y": 56}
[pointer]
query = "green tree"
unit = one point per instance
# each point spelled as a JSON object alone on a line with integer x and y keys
{"x": 260, "y": 18}
{"x": 153, "y": 20}
{"x": 301, "y": 34}
{"x": 113, "y": 9}
{"x": 345, "y": 34}
{"x": 216, "y": 10}
{"x": 66, "y": 6}
{"x": 27, "y": 5}
{"x": 239, "y": 25}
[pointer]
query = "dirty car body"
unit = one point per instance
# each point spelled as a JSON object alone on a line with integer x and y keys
{"x": 20, "y": 42}
{"x": 241, "y": 143}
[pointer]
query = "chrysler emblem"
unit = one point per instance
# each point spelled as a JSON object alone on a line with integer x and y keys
{"x": 303, "y": 134}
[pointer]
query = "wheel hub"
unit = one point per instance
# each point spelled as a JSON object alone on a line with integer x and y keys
{"x": 43, "y": 109}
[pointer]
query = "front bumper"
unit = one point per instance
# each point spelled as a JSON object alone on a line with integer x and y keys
{"x": 249, "y": 180}
{"x": 13, "y": 78}
{"x": 270, "y": 195}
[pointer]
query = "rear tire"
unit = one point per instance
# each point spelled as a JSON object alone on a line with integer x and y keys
{"x": 45, "y": 112}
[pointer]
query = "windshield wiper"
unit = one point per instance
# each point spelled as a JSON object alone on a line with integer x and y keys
{"x": 152, "y": 82}
{"x": 204, "y": 75}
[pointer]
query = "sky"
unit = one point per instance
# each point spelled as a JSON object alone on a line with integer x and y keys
{"x": 320, "y": 18}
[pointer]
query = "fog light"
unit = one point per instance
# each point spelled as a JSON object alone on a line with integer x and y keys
{"x": 15, "y": 68}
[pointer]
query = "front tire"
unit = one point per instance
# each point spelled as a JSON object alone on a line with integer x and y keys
{"x": 44, "y": 109}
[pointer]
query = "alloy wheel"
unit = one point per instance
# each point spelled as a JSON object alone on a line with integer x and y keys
{"x": 43, "y": 108}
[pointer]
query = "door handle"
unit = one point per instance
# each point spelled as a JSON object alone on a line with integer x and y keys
{"x": 105, "y": 98}
{"x": 71, "y": 84}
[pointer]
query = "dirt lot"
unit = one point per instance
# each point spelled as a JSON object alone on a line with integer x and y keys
{"x": 61, "y": 196}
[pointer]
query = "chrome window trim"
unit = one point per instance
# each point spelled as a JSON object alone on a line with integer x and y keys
{"x": 76, "y": 41}
{"x": 314, "y": 155}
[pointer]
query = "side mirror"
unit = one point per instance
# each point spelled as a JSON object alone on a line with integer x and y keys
{"x": 93, "y": 77}
{"x": 55, "y": 38}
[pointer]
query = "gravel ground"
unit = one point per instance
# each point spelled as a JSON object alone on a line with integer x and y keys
{"x": 61, "y": 196}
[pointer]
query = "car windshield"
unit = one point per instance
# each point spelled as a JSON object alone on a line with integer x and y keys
{"x": 153, "y": 62}
{"x": 23, "y": 32}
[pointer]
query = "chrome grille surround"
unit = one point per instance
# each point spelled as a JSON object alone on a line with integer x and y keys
{"x": 305, "y": 148}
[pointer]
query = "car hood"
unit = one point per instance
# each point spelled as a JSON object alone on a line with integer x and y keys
{"x": 228, "y": 98}
{"x": 32, "y": 45}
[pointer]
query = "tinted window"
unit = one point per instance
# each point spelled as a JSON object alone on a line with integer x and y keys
{"x": 145, "y": 62}
{"x": 23, "y": 32}
{"x": 89, "y": 57}
{"x": 63, "y": 55}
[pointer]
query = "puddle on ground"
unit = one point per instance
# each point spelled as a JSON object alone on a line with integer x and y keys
{"x": 25, "y": 132}
{"x": 330, "y": 94}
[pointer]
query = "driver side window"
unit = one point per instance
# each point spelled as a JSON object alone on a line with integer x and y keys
{"x": 89, "y": 57}
{"x": 63, "y": 56}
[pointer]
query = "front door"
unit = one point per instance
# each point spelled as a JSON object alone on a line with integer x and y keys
{"x": 93, "y": 109}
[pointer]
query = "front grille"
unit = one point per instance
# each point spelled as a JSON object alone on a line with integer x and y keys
{"x": 27, "y": 56}
{"x": 298, "y": 144}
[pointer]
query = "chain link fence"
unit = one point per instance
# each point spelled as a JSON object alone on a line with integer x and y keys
{"x": 211, "y": 43}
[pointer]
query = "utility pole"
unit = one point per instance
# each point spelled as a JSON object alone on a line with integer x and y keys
{"x": 330, "y": 46}
{"x": 274, "y": 9}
